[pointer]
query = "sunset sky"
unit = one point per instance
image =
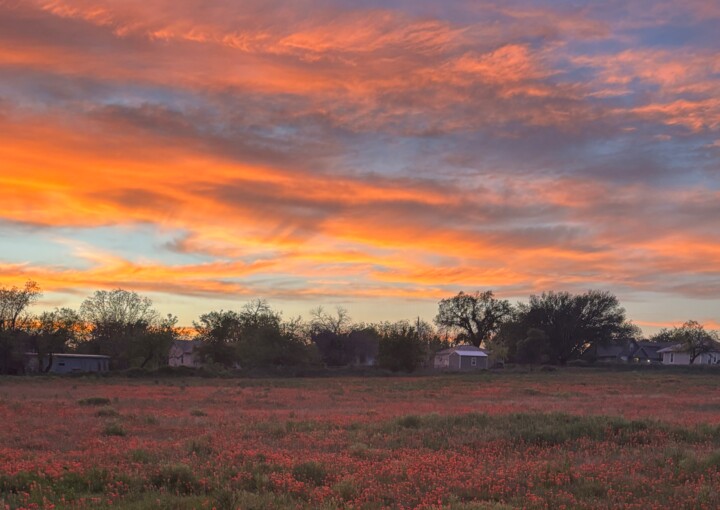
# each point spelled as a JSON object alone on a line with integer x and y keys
{"x": 374, "y": 155}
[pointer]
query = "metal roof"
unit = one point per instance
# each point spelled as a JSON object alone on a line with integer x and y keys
{"x": 63, "y": 355}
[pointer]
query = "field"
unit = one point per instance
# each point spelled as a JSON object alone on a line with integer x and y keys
{"x": 566, "y": 439}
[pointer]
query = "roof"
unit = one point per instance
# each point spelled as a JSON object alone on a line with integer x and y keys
{"x": 185, "y": 346}
{"x": 65, "y": 355}
{"x": 681, "y": 348}
{"x": 464, "y": 350}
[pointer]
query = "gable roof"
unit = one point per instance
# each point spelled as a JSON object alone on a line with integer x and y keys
{"x": 681, "y": 348}
{"x": 463, "y": 350}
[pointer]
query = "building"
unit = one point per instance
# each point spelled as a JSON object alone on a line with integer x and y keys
{"x": 61, "y": 363}
{"x": 462, "y": 358}
{"x": 633, "y": 351}
{"x": 678, "y": 355}
{"x": 184, "y": 353}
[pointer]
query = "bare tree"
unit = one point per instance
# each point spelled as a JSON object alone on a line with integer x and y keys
{"x": 336, "y": 324}
{"x": 472, "y": 317}
{"x": 14, "y": 303}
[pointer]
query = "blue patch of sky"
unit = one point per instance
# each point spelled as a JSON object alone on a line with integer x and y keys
{"x": 56, "y": 246}
{"x": 702, "y": 34}
{"x": 37, "y": 246}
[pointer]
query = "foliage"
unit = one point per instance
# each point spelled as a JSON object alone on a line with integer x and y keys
{"x": 473, "y": 318}
{"x": 119, "y": 321}
{"x": 559, "y": 326}
{"x": 401, "y": 347}
{"x": 254, "y": 337}
{"x": 14, "y": 303}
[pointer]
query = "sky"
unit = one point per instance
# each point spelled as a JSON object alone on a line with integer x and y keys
{"x": 378, "y": 156}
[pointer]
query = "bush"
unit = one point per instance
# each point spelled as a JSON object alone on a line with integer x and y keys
{"x": 94, "y": 401}
{"x": 107, "y": 412}
{"x": 114, "y": 429}
{"x": 310, "y": 472}
{"x": 176, "y": 478}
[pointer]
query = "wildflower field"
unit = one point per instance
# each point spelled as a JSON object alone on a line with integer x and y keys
{"x": 576, "y": 438}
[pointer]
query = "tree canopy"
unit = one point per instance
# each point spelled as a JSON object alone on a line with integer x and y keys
{"x": 559, "y": 326}
{"x": 472, "y": 317}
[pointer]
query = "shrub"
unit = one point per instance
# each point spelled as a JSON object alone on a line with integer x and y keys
{"x": 141, "y": 456}
{"x": 176, "y": 478}
{"x": 114, "y": 429}
{"x": 107, "y": 412}
{"x": 410, "y": 421}
{"x": 200, "y": 446}
{"x": 94, "y": 401}
{"x": 310, "y": 472}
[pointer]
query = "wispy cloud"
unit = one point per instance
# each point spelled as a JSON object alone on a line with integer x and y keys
{"x": 327, "y": 150}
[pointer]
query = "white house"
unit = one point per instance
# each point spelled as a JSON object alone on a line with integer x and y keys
{"x": 678, "y": 355}
{"x": 183, "y": 353}
{"x": 61, "y": 363}
{"x": 465, "y": 358}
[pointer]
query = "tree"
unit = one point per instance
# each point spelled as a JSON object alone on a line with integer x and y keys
{"x": 14, "y": 317}
{"x": 254, "y": 337}
{"x": 562, "y": 326}
{"x": 117, "y": 320}
{"x": 692, "y": 338}
{"x": 151, "y": 347}
{"x": 14, "y": 303}
{"x": 401, "y": 347}
{"x": 336, "y": 324}
{"x": 219, "y": 332}
{"x": 473, "y": 317}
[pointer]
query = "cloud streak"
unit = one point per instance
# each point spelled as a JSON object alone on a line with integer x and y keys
{"x": 325, "y": 151}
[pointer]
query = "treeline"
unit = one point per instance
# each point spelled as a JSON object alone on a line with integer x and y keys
{"x": 553, "y": 327}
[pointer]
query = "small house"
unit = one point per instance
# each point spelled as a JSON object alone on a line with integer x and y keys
{"x": 678, "y": 355}
{"x": 184, "y": 353}
{"x": 461, "y": 358}
{"x": 61, "y": 363}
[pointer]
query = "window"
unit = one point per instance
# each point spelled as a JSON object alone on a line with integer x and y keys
{"x": 672, "y": 357}
{"x": 473, "y": 361}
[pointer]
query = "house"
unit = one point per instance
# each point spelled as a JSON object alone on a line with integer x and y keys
{"x": 633, "y": 351}
{"x": 677, "y": 354}
{"x": 61, "y": 363}
{"x": 464, "y": 358}
{"x": 184, "y": 353}
{"x": 648, "y": 352}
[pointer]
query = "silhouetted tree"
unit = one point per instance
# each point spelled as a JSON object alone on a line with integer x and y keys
{"x": 219, "y": 331}
{"x": 14, "y": 318}
{"x": 14, "y": 303}
{"x": 118, "y": 320}
{"x": 401, "y": 347}
{"x": 473, "y": 317}
{"x": 254, "y": 337}
{"x": 558, "y": 326}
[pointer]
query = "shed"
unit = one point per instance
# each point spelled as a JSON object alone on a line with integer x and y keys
{"x": 462, "y": 358}
{"x": 184, "y": 353}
